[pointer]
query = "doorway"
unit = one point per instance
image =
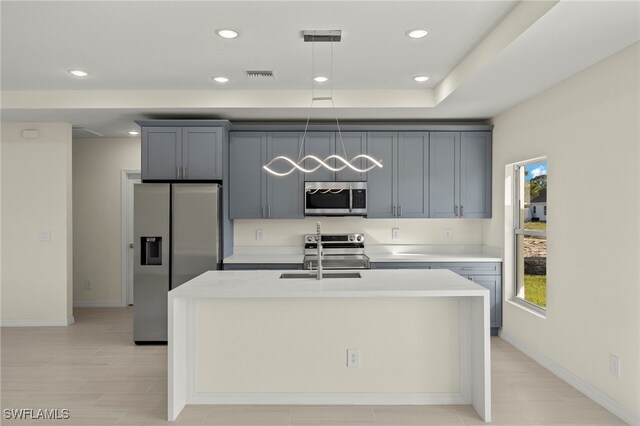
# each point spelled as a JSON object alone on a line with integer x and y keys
{"x": 129, "y": 179}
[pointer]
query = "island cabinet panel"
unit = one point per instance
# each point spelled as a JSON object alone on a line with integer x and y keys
{"x": 182, "y": 153}
{"x": 460, "y": 174}
{"x": 255, "y": 193}
{"x": 261, "y": 266}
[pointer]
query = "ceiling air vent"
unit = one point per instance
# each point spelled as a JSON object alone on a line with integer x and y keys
{"x": 261, "y": 75}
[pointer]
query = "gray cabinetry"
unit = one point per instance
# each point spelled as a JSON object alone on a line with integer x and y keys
{"x": 381, "y": 197}
{"x": 401, "y": 187}
{"x": 181, "y": 153}
{"x": 460, "y": 174}
{"x": 486, "y": 274}
{"x": 324, "y": 144}
{"x": 254, "y": 193}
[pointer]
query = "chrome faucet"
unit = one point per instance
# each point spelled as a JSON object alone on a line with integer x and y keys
{"x": 319, "y": 243}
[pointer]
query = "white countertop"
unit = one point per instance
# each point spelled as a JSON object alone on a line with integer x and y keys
{"x": 376, "y": 253}
{"x": 374, "y": 283}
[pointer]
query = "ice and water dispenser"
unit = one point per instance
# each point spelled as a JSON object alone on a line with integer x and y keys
{"x": 151, "y": 253}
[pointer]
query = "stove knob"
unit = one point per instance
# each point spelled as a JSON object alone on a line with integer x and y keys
{"x": 351, "y": 237}
{"x": 359, "y": 238}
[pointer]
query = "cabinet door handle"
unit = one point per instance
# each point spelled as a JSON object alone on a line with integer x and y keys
{"x": 394, "y": 211}
{"x": 178, "y": 172}
{"x": 461, "y": 211}
{"x": 399, "y": 211}
{"x": 269, "y": 212}
{"x": 455, "y": 211}
{"x": 262, "y": 211}
{"x": 184, "y": 172}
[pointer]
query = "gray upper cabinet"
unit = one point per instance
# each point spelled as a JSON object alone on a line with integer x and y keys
{"x": 413, "y": 174}
{"x": 284, "y": 193}
{"x": 324, "y": 144}
{"x": 475, "y": 174}
{"x": 460, "y": 174}
{"x": 255, "y": 193}
{"x": 443, "y": 182}
{"x": 381, "y": 193}
{"x": 247, "y": 184}
{"x": 161, "y": 152}
{"x": 321, "y": 145}
{"x": 401, "y": 187}
{"x": 355, "y": 143}
{"x": 202, "y": 153}
{"x": 182, "y": 153}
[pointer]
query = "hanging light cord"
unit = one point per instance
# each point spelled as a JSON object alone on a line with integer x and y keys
{"x": 345, "y": 163}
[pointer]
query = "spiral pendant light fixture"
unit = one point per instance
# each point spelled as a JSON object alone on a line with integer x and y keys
{"x": 292, "y": 165}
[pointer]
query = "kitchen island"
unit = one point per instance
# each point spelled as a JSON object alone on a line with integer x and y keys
{"x": 250, "y": 337}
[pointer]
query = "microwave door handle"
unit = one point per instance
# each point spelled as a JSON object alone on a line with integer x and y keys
{"x": 350, "y": 200}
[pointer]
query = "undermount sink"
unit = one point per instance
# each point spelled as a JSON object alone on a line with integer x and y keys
{"x": 299, "y": 275}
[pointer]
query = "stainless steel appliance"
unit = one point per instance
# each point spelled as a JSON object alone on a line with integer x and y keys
{"x": 335, "y": 198}
{"x": 176, "y": 238}
{"x": 339, "y": 251}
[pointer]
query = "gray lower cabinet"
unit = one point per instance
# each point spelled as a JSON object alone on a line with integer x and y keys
{"x": 460, "y": 174}
{"x": 261, "y": 266}
{"x": 182, "y": 153}
{"x": 401, "y": 187}
{"x": 255, "y": 193}
{"x": 486, "y": 274}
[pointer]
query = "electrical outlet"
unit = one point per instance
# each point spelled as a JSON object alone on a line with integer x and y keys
{"x": 45, "y": 236}
{"x": 395, "y": 233}
{"x": 87, "y": 284}
{"x": 448, "y": 234}
{"x": 614, "y": 365}
{"x": 259, "y": 234}
{"x": 353, "y": 358}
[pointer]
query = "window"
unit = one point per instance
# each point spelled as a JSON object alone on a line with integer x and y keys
{"x": 530, "y": 233}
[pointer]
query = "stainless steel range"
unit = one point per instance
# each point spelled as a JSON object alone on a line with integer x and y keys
{"x": 339, "y": 251}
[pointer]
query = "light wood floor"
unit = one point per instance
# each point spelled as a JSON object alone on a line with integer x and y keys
{"x": 93, "y": 369}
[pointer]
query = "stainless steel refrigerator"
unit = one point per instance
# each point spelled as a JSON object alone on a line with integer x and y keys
{"x": 176, "y": 238}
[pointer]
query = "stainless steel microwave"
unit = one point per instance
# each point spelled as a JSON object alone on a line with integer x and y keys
{"x": 335, "y": 198}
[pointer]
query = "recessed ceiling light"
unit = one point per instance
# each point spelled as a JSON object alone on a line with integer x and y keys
{"x": 421, "y": 78}
{"x": 227, "y": 33}
{"x": 221, "y": 79}
{"x": 417, "y": 33}
{"x": 320, "y": 79}
{"x": 78, "y": 73}
{"x": 133, "y": 132}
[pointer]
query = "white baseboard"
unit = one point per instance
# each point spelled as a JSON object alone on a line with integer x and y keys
{"x": 329, "y": 398}
{"x": 36, "y": 322}
{"x": 575, "y": 381}
{"x": 97, "y": 304}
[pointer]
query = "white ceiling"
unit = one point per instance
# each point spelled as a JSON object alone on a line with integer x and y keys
{"x": 155, "y": 59}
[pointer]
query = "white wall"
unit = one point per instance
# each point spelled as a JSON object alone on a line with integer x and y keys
{"x": 588, "y": 127}
{"x": 97, "y": 203}
{"x": 377, "y": 231}
{"x": 36, "y": 197}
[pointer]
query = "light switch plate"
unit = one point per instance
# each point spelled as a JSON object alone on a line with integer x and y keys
{"x": 259, "y": 234}
{"x": 448, "y": 233}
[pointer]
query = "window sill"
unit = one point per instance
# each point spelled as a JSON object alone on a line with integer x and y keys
{"x": 532, "y": 309}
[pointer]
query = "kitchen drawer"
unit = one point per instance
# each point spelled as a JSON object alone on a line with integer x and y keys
{"x": 471, "y": 268}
